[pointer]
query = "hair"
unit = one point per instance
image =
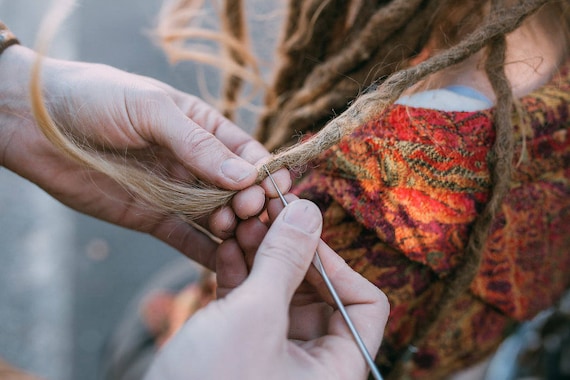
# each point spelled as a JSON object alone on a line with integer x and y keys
{"x": 336, "y": 57}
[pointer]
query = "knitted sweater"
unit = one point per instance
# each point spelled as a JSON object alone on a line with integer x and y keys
{"x": 399, "y": 197}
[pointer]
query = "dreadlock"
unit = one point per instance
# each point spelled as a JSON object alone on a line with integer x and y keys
{"x": 236, "y": 26}
{"x": 278, "y": 123}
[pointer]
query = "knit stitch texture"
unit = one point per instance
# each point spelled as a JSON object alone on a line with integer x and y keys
{"x": 400, "y": 195}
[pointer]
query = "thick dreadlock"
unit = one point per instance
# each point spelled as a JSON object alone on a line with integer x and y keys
{"x": 296, "y": 111}
{"x": 236, "y": 26}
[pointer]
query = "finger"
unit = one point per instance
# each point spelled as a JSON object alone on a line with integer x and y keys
{"x": 249, "y": 235}
{"x": 231, "y": 269}
{"x": 186, "y": 239}
{"x": 282, "y": 178}
{"x": 232, "y": 136}
{"x": 238, "y": 141}
{"x": 249, "y": 202}
{"x": 222, "y": 222}
{"x": 275, "y": 206}
{"x": 286, "y": 252}
{"x": 195, "y": 108}
{"x": 195, "y": 143}
{"x": 366, "y": 304}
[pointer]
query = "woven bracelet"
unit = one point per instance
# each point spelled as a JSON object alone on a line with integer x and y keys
{"x": 7, "y": 38}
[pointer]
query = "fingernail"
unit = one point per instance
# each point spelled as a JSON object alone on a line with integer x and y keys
{"x": 236, "y": 170}
{"x": 302, "y": 215}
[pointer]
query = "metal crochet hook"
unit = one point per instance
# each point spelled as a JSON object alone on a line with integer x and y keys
{"x": 319, "y": 265}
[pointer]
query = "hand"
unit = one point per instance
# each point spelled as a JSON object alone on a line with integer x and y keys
{"x": 120, "y": 111}
{"x": 262, "y": 328}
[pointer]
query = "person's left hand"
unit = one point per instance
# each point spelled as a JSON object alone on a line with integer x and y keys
{"x": 118, "y": 111}
{"x": 266, "y": 326}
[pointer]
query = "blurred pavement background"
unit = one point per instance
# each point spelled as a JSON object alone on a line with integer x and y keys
{"x": 66, "y": 278}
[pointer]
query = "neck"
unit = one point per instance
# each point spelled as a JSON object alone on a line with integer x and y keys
{"x": 533, "y": 55}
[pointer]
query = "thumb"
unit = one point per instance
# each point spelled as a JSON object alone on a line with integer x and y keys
{"x": 286, "y": 252}
{"x": 206, "y": 149}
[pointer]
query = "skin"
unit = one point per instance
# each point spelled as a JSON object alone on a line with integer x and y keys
{"x": 534, "y": 52}
{"x": 122, "y": 111}
{"x": 276, "y": 321}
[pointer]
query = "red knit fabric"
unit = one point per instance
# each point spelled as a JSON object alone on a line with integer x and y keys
{"x": 400, "y": 195}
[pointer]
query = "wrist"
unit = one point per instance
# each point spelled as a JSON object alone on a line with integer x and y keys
{"x": 15, "y": 66}
{"x": 7, "y": 39}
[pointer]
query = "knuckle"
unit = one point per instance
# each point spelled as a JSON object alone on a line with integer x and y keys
{"x": 143, "y": 103}
{"x": 383, "y": 300}
{"x": 252, "y": 151}
{"x": 200, "y": 141}
{"x": 285, "y": 252}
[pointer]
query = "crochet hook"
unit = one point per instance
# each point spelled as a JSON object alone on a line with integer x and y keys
{"x": 320, "y": 268}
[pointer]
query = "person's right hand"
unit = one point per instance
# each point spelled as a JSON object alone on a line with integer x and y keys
{"x": 266, "y": 326}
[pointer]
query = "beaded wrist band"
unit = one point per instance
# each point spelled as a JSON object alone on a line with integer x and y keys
{"x": 7, "y": 38}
